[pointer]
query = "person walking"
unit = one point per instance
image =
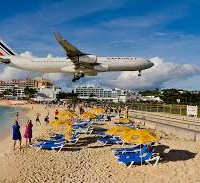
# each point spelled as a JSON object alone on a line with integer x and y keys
{"x": 28, "y": 132}
{"x": 56, "y": 114}
{"x": 46, "y": 119}
{"x": 16, "y": 135}
{"x": 37, "y": 119}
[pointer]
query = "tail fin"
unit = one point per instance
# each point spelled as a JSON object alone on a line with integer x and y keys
{"x": 5, "y": 50}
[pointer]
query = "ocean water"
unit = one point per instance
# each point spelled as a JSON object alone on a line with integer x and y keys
{"x": 7, "y": 117}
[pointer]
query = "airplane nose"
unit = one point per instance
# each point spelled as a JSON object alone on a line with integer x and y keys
{"x": 151, "y": 64}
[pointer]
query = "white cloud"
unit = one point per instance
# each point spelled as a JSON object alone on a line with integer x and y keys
{"x": 9, "y": 73}
{"x": 162, "y": 72}
{"x": 27, "y": 54}
{"x": 54, "y": 76}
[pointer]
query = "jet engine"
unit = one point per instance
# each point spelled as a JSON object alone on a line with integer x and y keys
{"x": 68, "y": 69}
{"x": 101, "y": 67}
{"x": 88, "y": 58}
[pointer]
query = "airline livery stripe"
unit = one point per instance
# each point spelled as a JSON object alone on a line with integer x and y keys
{"x": 6, "y": 49}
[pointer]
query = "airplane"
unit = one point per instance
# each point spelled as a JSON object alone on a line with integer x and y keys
{"x": 75, "y": 62}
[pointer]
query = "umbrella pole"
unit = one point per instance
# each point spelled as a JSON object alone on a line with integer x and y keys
{"x": 140, "y": 154}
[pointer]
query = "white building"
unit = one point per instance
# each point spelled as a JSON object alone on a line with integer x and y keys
{"x": 49, "y": 93}
{"x": 88, "y": 91}
{"x": 13, "y": 90}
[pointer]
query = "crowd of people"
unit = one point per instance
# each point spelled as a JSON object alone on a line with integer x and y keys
{"x": 70, "y": 107}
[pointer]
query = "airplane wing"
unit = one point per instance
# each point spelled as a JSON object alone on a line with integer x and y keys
{"x": 69, "y": 48}
{"x": 79, "y": 58}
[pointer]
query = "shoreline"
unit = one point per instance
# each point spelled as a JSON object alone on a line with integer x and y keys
{"x": 24, "y": 109}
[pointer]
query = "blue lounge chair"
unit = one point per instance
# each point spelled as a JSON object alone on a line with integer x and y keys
{"x": 131, "y": 158}
{"x": 110, "y": 140}
{"x": 103, "y": 134}
{"x": 85, "y": 130}
{"x": 61, "y": 137}
{"x": 136, "y": 148}
{"x": 74, "y": 139}
{"x": 79, "y": 125}
{"x": 57, "y": 136}
{"x": 51, "y": 140}
{"x": 49, "y": 146}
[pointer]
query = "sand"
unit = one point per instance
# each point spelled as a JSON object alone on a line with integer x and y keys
{"x": 89, "y": 161}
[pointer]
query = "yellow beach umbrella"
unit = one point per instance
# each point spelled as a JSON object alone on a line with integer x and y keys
{"x": 87, "y": 115}
{"x": 60, "y": 122}
{"x": 97, "y": 111}
{"x": 124, "y": 120}
{"x": 141, "y": 136}
{"x": 67, "y": 113}
{"x": 118, "y": 130}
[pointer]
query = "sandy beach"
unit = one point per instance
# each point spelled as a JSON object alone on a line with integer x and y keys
{"x": 89, "y": 161}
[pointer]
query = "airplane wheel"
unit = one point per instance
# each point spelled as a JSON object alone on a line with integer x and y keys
{"x": 73, "y": 80}
{"x": 139, "y": 73}
{"x": 82, "y": 75}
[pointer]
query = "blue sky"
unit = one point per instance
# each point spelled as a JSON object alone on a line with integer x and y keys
{"x": 168, "y": 29}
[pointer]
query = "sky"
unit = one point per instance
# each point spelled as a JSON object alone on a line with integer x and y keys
{"x": 165, "y": 31}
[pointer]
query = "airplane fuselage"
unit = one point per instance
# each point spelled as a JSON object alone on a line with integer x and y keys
{"x": 65, "y": 65}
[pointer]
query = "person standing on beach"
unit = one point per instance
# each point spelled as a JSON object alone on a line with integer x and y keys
{"x": 28, "y": 132}
{"x": 126, "y": 110}
{"x": 56, "y": 114}
{"x": 46, "y": 119}
{"x": 16, "y": 135}
{"x": 37, "y": 118}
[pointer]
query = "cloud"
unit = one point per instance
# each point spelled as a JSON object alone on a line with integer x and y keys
{"x": 10, "y": 73}
{"x": 27, "y": 54}
{"x": 162, "y": 72}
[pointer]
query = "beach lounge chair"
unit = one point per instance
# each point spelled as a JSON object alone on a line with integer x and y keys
{"x": 80, "y": 125}
{"x": 61, "y": 137}
{"x": 51, "y": 140}
{"x": 102, "y": 134}
{"x": 57, "y": 136}
{"x": 49, "y": 146}
{"x": 110, "y": 140}
{"x": 99, "y": 118}
{"x": 139, "y": 158}
{"x": 74, "y": 139}
{"x": 129, "y": 149}
{"x": 138, "y": 149}
{"x": 84, "y": 130}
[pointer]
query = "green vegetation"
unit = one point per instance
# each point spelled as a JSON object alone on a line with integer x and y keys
{"x": 71, "y": 96}
{"x": 30, "y": 92}
{"x": 170, "y": 96}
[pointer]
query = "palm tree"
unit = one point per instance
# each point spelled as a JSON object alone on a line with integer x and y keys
{"x": 30, "y": 92}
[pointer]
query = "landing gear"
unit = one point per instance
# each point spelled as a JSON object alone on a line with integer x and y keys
{"x": 82, "y": 75}
{"x": 78, "y": 76}
{"x": 139, "y": 74}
